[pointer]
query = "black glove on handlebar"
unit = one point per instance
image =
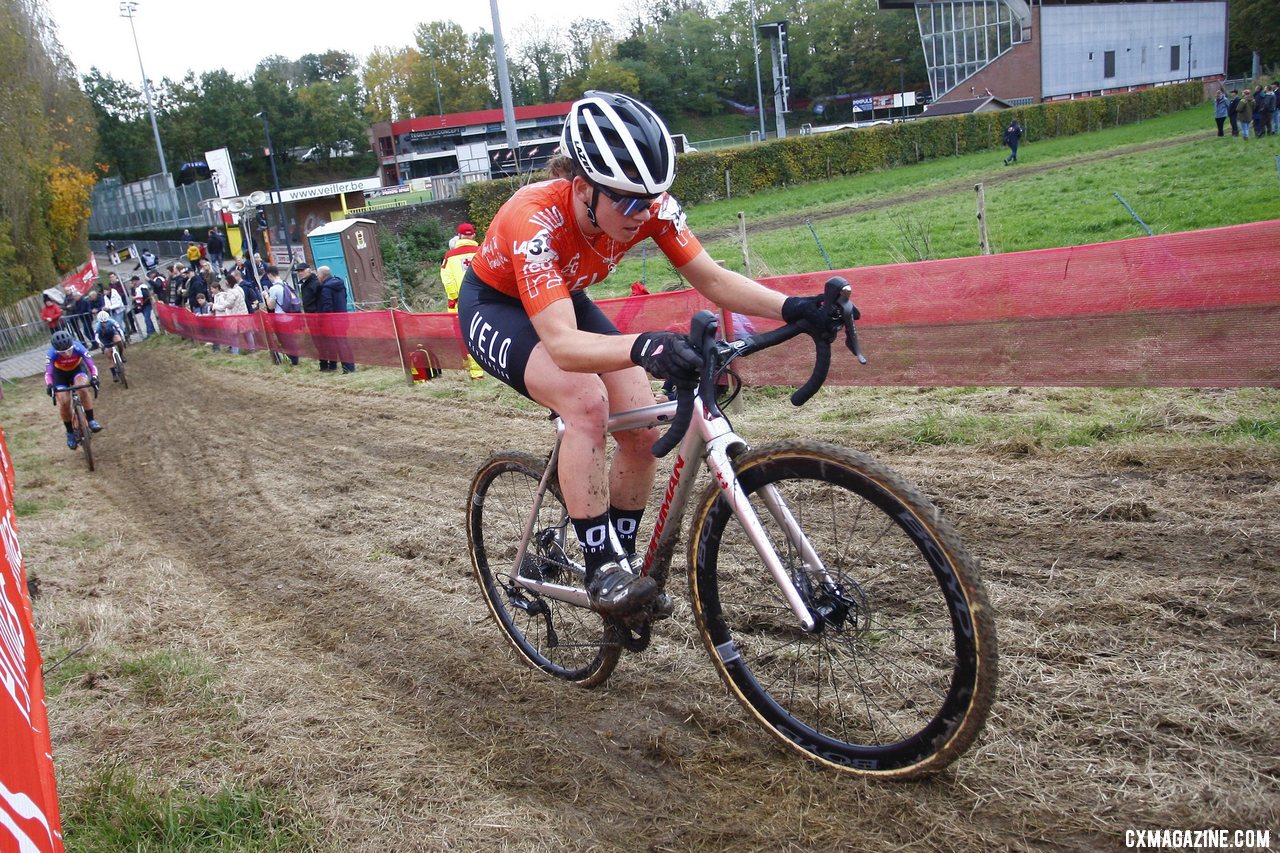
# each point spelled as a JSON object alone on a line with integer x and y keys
{"x": 48, "y": 389}
{"x": 807, "y": 313}
{"x": 668, "y": 355}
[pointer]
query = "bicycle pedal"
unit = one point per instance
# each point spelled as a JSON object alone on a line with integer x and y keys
{"x": 662, "y": 607}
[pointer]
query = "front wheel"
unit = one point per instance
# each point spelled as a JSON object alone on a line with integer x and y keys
{"x": 897, "y": 679}
{"x": 83, "y": 434}
{"x": 567, "y": 642}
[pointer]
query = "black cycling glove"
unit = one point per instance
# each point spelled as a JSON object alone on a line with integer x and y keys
{"x": 806, "y": 312}
{"x": 668, "y": 355}
{"x": 48, "y": 389}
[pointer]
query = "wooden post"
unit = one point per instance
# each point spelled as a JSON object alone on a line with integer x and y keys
{"x": 728, "y": 185}
{"x": 982, "y": 220}
{"x": 404, "y": 362}
{"x": 742, "y": 235}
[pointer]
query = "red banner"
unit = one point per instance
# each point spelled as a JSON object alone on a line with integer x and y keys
{"x": 82, "y": 279}
{"x": 1172, "y": 310}
{"x": 29, "y": 819}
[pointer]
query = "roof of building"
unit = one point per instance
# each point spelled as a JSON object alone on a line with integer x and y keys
{"x": 338, "y": 226}
{"x": 966, "y": 106}
{"x": 477, "y": 117}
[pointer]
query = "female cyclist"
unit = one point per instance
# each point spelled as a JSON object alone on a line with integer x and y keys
{"x": 526, "y": 318}
{"x": 67, "y": 362}
{"x": 108, "y": 334}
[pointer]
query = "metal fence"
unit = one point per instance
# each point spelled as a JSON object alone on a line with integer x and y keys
{"x": 149, "y": 203}
{"x": 21, "y": 328}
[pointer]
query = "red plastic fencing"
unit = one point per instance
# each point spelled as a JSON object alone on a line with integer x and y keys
{"x": 1179, "y": 310}
{"x": 29, "y": 817}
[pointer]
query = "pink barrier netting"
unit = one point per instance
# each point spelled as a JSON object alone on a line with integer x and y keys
{"x": 1172, "y": 310}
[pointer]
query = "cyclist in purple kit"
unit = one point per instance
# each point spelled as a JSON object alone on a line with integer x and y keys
{"x": 67, "y": 362}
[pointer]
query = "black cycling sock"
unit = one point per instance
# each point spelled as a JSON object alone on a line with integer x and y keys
{"x": 67, "y": 424}
{"x": 626, "y": 522}
{"x": 89, "y": 413}
{"x": 594, "y": 537}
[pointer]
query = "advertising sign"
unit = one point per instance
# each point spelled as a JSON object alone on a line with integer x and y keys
{"x": 221, "y": 173}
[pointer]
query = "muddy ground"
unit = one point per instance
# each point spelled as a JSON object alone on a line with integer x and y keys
{"x": 265, "y": 584}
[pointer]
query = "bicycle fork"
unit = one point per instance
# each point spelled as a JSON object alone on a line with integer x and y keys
{"x": 721, "y": 467}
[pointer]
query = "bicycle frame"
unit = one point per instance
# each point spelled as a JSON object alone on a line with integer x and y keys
{"x": 712, "y": 440}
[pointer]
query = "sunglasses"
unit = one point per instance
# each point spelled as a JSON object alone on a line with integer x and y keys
{"x": 627, "y": 205}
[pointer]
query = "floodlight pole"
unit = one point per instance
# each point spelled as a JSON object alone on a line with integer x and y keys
{"x": 504, "y": 87}
{"x": 275, "y": 179}
{"x": 755, "y": 56}
{"x": 127, "y": 9}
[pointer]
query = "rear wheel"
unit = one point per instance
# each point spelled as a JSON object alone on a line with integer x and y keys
{"x": 119, "y": 365}
{"x": 567, "y": 642}
{"x": 897, "y": 679}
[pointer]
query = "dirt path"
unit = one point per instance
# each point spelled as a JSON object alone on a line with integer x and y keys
{"x": 300, "y": 546}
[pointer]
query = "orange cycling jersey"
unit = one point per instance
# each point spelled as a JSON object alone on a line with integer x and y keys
{"x": 535, "y": 251}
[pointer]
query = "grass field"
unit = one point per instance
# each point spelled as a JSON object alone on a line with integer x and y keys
{"x": 1173, "y": 170}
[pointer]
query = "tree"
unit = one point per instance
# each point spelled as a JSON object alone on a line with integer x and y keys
{"x": 387, "y": 77}
{"x": 123, "y": 128}
{"x": 46, "y": 136}
{"x": 331, "y": 114}
{"x": 541, "y": 53}
{"x": 453, "y": 70}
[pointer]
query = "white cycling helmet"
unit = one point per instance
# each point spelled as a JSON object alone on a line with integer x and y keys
{"x": 103, "y": 316}
{"x": 619, "y": 143}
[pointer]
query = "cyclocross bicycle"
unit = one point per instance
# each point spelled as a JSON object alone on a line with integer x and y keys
{"x": 79, "y": 419}
{"x": 838, "y": 606}
{"x": 117, "y": 364}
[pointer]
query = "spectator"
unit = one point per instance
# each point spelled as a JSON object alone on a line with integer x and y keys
{"x": 1275, "y": 110}
{"x": 275, "y": 297}
{"x": 51, "y": 314}
{"x": 1231, "y": 112}
{"x": 215, "y": 247}
{"x": 308, "y": 289}
{"x": 93, "y": 302}
{"x": 252, "y": 292}
{"x": 333, "y": 300}
{"x": 1244, "y": 112}
{"x": 466, "y": 231}
{"x": 186, "y": 236}
{"x": 124, "y": 321}
{"x": 197, "y": 283}
{"x": 201, "y": 306}
{"x": 1221, "y": 106}
{"x": 1012, "y": 135}
{"x": 229, "y": 302}
{"x": 142, "y": 304}
{"x": 149, "y": 261}
{"x": 1266, "y": 108}
{"x": 76, "y": 314}
{"x": 456, "y": 263}
{"x": 114, "y": 306}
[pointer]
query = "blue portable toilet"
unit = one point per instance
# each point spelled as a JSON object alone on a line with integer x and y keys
{"x": 349, "y": 248}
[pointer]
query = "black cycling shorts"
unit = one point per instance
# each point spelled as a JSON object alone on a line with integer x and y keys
{"x": 499, "y": 334}
{"x": 67, "y": 378}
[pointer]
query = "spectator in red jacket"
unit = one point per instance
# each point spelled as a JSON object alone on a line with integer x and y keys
{"x": 51, "y": 313}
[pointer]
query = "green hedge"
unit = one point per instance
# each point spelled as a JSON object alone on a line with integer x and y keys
{"x": 804, "y": 159}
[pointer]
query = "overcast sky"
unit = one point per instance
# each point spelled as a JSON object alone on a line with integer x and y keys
{"x": 177, "y": 37}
